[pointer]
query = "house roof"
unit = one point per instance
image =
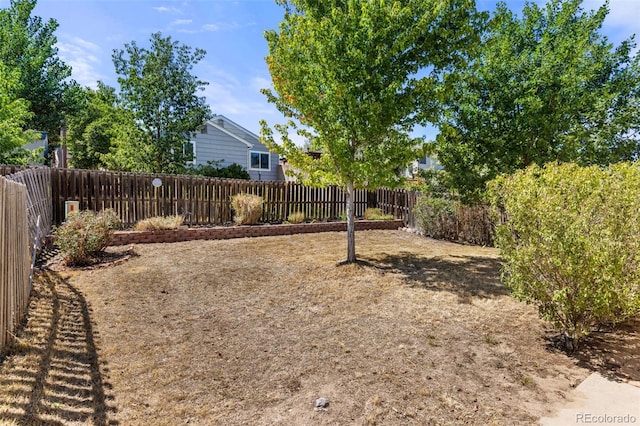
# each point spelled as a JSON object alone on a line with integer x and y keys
{"x": 214, "y": 122}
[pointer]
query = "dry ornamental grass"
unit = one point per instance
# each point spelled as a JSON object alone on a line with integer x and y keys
{"x": 254, "y": 331}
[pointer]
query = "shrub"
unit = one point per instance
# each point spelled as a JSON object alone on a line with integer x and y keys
{"x": 159, "y": 223}
{"x": 376, "y": 214}
{"x": 436, "y": 217}
{"x": 297, "y": 217}
{"x": 248, "y": 208}
{"x": 85, "y": 234}
{"x": 214, "y": 169}
{"x": 570, "y": 243}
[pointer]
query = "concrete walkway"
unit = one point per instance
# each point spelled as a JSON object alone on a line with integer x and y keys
{"x": 599, "y": 401}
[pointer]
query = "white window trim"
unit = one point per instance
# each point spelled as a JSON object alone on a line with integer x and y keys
{"x": 268, "y": 169}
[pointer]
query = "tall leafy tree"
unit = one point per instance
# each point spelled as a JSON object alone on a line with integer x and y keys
{"x": 546, "y": 86}
{"x": 14, "y": 113}
{"x": 96, "y": 133}
{"x": 157, "y": 86}
{"x": 28, "y": 44}
{"x": 351, "y": 75}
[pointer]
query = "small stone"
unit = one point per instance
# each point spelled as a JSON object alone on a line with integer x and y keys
{"x": 321, "y": 404}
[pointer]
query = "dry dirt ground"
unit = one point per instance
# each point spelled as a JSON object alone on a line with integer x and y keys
{"x": 254, "y": 331}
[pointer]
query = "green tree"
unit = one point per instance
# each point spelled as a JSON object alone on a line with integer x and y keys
{"x": 546, "y": 86}
{"x": 157, "y": 86}
{"x": 96, "y": 133}
{"x": 348, "y": 72}
{"x": 28, "y": 44}
{"x": 14, "y": 113}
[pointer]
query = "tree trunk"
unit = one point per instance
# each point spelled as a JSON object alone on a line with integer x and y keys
{"x": 351, "y": 225}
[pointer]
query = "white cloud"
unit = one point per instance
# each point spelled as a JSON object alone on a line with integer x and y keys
{"x": 164, "y": 9}
{"x": 217, "y": 26}
{"x": 623, "y": 14}
{"x": 622, "y": 21}
{"x": 211, "y": 27}
{"x": 230, "y": 99}
{"x": 181, "y": 22}
{"x": 236, "y": 96}
{"x": 259, "y": 83}
{"x": 83, "y": 57}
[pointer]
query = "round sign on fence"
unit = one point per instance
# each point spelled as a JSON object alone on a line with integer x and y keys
{"x": 157, "y": 182}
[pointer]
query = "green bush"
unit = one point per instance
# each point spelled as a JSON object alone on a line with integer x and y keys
{"x": 248, "y": 208}
{"x": 570, "y": 243}
{"x": 214, "y": 169}
{"x": 376, "y": 214}
{"x": 436, "y": 217}
{"x": 85, "y": 234}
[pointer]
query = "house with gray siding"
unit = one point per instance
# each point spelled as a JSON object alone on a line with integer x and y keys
{"x": 226, "y": 142}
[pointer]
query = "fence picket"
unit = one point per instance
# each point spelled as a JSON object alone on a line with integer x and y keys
{"x": 208, "y": 199}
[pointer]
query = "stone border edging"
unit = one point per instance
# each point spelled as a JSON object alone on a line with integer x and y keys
{"x": 226, "y": 232}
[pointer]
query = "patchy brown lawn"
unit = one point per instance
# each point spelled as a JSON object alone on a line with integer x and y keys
{"x": 253, "y": 331}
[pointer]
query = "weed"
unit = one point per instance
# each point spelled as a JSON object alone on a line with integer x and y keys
{"x": 490, "y": 340}
{"x": 526, "y": 380}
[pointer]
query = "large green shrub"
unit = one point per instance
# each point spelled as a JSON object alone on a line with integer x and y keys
{"x": 571, "y": 243}
{"x": 85, "y": 234}
{"x": 436, "y": 217}
{"x": 247, "y": 207}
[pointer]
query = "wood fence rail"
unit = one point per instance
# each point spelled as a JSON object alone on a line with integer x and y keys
{"x": 15, "y": 259}
{"x": 202, "y": 200}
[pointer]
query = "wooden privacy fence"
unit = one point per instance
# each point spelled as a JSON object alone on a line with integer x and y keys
{"x": 399, "y": 203}
{"x": 15, "y": 259}
{"x": 39, "y": 204}
{"x": 10, "y": 169}
{"x": 202, "y": 200}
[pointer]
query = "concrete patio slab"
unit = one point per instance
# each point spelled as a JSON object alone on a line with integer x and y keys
{"x": 599, "y": 401}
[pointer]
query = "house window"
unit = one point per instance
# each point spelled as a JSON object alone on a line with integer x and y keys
{"x": 260, "y": 160}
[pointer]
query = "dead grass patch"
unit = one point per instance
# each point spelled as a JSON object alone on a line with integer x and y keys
{"x": 253, "y": 331}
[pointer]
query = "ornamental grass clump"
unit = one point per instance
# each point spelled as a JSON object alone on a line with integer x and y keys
{"x": 376, "y": 214}
{"x": 247, "y": 207}
{"x": 570, "y": 243}
{"x": 85, "y": 234}
{"x": 296, "y": 217}
{"x": 159, "y": 223}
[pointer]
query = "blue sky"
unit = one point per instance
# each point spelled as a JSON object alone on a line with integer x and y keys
{"x": 231, "y": 32}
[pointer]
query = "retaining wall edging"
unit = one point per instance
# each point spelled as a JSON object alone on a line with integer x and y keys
{"x": 227, "y": 232}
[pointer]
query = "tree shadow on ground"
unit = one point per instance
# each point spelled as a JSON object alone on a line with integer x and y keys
{"x": 466, "y": 276}
{"x": 613, "y": 353}
{"x": 52, "y": 373}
